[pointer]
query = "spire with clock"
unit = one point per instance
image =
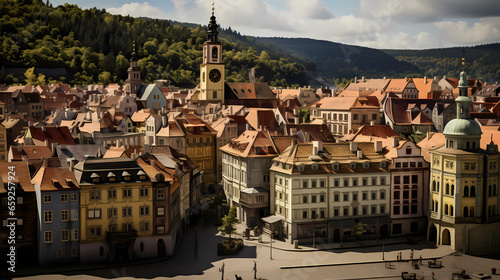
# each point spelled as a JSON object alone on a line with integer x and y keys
{"x": 212, "y": 69}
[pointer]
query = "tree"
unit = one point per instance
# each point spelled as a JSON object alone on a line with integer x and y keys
{"x": 304, "y": 114}
{"x": 30, "y": 76}
{"x": 359, "y": 229}
{"x": 228, "y": 223}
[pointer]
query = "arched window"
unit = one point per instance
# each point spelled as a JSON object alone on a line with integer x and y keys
{"x": 436, "y": 206}
{"x": 489, "y": 190}
{"x": 432, "y": 206}
{"x": 447, "y": 188}
{"x": 471, "y": 212}
{"x": 466, "y": 212}
{"x": 446, "y": 209}
{"x": 215, "y": 52}
{"x": 433, "y": 186}
{"x": 466, "y": 191}
{"x": 451, "y": 210}
{"x": 472, "y": 191}
{"x": 494, "y": 189}
{"x": 437, "y": 186}
{"x": 452, "y": 189}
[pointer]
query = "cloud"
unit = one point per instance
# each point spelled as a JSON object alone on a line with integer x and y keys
{"x": 486, "y": 30}
{"x": 430, "y": 10}
{"x": 136, "y": 9}
{"x": 311, "y": 9}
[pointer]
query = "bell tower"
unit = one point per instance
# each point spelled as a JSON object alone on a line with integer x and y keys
{"x": 133, "y": 81}
{"x": 212, "y": 70}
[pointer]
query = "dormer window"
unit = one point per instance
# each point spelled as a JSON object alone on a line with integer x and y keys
{"x": 142, "y": 175}
{"x": 126, "y": 176}
{"x": 94, "y": 177}
{"x": 111, "y": 177}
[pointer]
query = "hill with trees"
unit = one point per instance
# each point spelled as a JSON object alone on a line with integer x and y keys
{"x": 92, "y": 46}
{"x": 482, "y": 62}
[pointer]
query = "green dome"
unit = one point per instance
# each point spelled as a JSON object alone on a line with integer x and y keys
{"x": 462, "y": 127}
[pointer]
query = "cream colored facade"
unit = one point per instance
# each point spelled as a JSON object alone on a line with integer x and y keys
{"x": 328, "y": 197}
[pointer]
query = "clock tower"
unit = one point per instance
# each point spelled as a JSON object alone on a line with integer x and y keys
{"x": 212, "y": 70}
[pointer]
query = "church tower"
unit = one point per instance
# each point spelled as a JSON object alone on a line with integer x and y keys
{"x": 464, "y": 182}
{"x": 212, "y": 70}
{"x": 133, "y": 81}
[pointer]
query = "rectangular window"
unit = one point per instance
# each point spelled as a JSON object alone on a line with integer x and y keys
{"x": 346, "y": 182}
{"x": 321, "y": 184}
{"x": 160, "y": 194}
{"x": 365, "y": 196}
{"x": 20, "y": 200}
{"x": 74, "y": 197}
{"x": 336, "y": 212}
{"x": 65, "y": 235}
{"x": 160, "y": 229}
{"x": 74, "y": 235}
{"x": 396, "y": 210}
{"x": 396, "y": 195}
{"x": 365, "y": 210}
{"x": 47, "y": 199}
{"x": 397, "y": 180}
{"x": 382, "y": 209}
{"x": 64, "y": 215}
{"x": 406, "y": 209}
{"x": 304, "y": 184}
{"x": 374, "y": 116}
{"x": 304, "y": 214}
{"x": 74, "y": 252}
{"x": 406, "y": 179}
{"x": 304, "y": 199}
{"x": 112, "y": 212}
{"x": 127, "y": 211}
{"x": 64, "y": 197}
{"x": 346, "y": 211}
{"x": 374, "y": 181}
{"x": 313, "y": 184}
{"x": 144, "y": 226}
{"x": 127, "y": 193}
{"x": 144, "y": 210}
{"x": 355, "y": 182}
{"x": 382, "y": 195}
{"x": 94, "y": 231}
{"x": 95, "y": 194}
{"x": 160, "y": 211}
{"x": 355, "y": 211}
{"x": 47, "y": 237}
{"x": 374, "y": 195}
{"x": 144, "y": 192}
{"x": 414, "y": 179}
{"x": 321, "y": 198}
{"x": 94, "y": 214}
{"x": 112, "y": 194}
{"x": 414, "y": 209}
{"x": 374, "y": 209}
{"x": 336, "y": 197}
{"x": 313, "y": 199}
{"x": 74, "y": 214}
{"x": 47, "y": 216}
{"x": 336, "y": 182}
{"x": 382, "y": 180}
{"x": 313, "y": 214}
{"x": 354, "y": 196}
{"x": 346, "y": 197}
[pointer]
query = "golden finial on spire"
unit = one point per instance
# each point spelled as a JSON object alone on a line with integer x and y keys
{"x": 213, "y": 7}
{"x": 133, "y": 45}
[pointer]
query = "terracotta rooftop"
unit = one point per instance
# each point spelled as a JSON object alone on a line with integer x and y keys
{"x": 60, "y": 135}
{"x": 251, "y": 143}
{"x": 55, "y": 178}
{"x": 32, "y": 152}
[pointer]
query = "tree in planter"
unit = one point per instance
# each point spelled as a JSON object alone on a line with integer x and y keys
{"x": 359, "y": 229}
{"x": 228, "y": 223}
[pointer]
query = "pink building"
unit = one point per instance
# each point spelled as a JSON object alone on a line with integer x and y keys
{"x": 409, "y": 185}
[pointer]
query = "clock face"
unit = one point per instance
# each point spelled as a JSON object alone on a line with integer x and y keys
{"x": 214, "y": 75}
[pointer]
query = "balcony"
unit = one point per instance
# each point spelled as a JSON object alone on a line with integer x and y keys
{"x": 254, "y": 197}
{"x": 121, "y": 236}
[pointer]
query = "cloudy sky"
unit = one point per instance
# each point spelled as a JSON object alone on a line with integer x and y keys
{"x": 392, "y": 24}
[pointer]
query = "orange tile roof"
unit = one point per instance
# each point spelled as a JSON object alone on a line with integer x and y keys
{"x": 55, "y": 178}
{"x": 22, "y": 174}
{"x": 60, "y": 135}
{"x": 397, "y": 85}
{"x": 251, "y": 143}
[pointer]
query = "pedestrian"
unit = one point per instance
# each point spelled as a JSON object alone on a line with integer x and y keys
{"x": 433, "y": 275}
{"x": 420, "y": 261}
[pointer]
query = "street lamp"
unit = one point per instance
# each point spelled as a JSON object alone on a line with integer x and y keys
{"x": 271, "y": 247}
{"x": 222, "y": 270}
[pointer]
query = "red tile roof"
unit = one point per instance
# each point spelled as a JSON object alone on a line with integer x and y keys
{"x": 60, "y": 135}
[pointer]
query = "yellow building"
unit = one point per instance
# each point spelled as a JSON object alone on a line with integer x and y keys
{"x": 116, "y": 205}
{"x": 464, "y": 181}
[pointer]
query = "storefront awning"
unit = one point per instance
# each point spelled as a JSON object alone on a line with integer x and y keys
{"x": 272, "y": 219}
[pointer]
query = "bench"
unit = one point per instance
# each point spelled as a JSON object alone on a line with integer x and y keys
{"x": 435, "y": 264}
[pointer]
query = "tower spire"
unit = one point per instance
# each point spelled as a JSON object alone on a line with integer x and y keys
{"x": 213, "y": 31}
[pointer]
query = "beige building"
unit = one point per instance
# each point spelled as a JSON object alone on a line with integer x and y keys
{"x": 325, "y": 189}
{"x": 345, "y": 115}
{"x": 464, "y": 182}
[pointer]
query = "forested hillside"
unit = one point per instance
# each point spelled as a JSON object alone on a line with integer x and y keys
{"x": 336, "y": 61}
{"x": 93, "y": 46}
{"x": 482, "y": 62}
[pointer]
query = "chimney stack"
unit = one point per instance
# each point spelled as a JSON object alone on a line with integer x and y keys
{"x": 425, "y": 80}
{"x": 355, "y": 80}
{"x": 296, "y": 120}
{"x": 46, "y": 143}
{"x": 360, "y": 154}
{"x": 72, "y": 164}
{"x": 395, "y": 141}
{"x": 353, "y": 146}
{"x": 363, "y": 79}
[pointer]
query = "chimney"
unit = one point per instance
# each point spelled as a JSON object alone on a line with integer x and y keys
{"x": 395, "y": 141}
{"x": 355, "y": 80}
{"x": 353, "y": 146}
{"x": 296, "y": 120}
{"x": 288, "y": 103}
{"x": 46, "y": 142}
{"x": 317, "y": 147}
{"x": 265, "y": 128}
{"x": 378, "y": 146}
{"x": 406, "y": 79}
{"x": 72, "y": 164}
{"x": 425, "y": 80}
{"x": 164, "y": 121}
{"x": 295, "y": 111}
{"x": 363, "y": 79}
{"x": 247, "y": 126}
{"x": 372, "y": 123}
{"x": 385, "y": 78}
{"x": 428, "y": 135}
{"x": 260, "y": 127}
{"x": 360, "y": 154}
{"x": 43, "y": 128}
{"x": 44, "y": 162}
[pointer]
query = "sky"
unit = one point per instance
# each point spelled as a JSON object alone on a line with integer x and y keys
{"x": 382, "y": 24}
